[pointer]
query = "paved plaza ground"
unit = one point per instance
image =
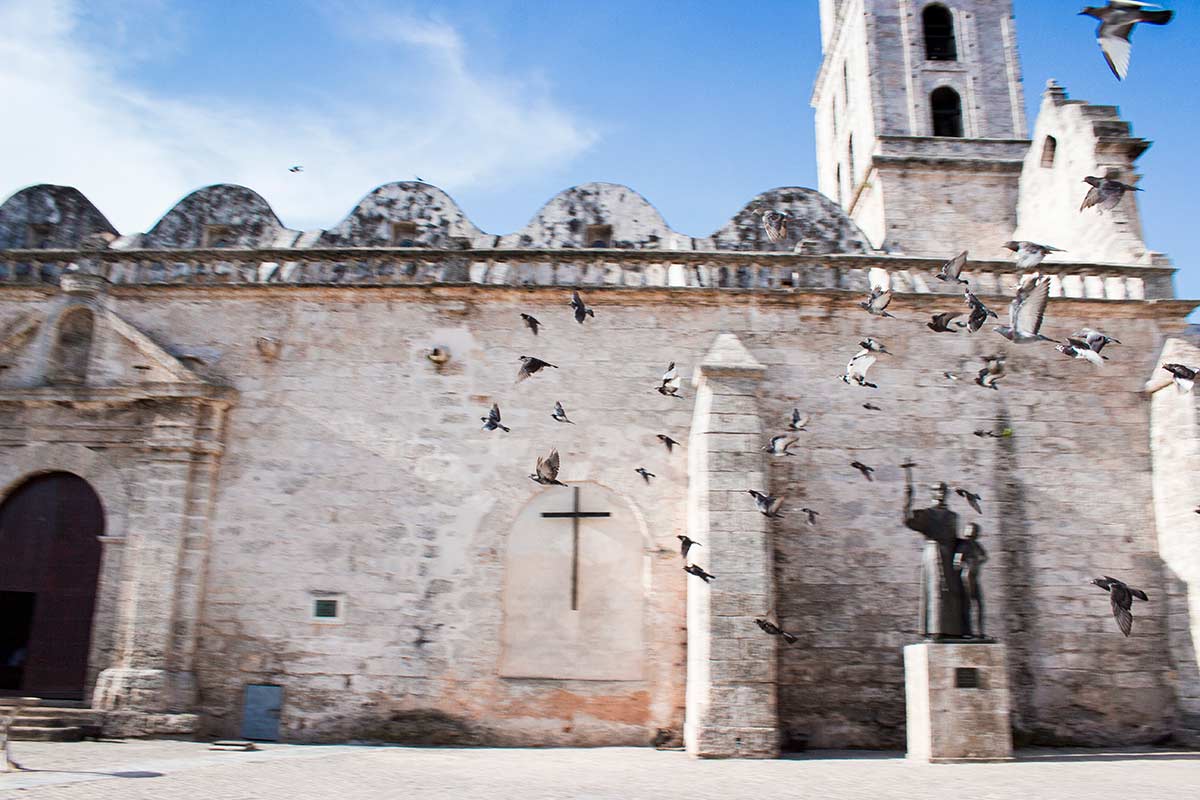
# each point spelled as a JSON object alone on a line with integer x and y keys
{"x": 164, "y": 770}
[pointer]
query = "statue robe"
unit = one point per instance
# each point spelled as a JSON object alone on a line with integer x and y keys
{"x": 942, "y": 602}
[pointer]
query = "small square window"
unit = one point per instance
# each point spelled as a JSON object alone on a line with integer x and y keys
{"x": 598, "y": 236}
{"x": 39, "y": 236}
{"x": 219, "y": 236}
{"x": 328, "y": 608}
{"x": 404, "y": 234}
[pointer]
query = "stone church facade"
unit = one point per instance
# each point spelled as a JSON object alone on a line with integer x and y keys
{"x": 297, "y": 504}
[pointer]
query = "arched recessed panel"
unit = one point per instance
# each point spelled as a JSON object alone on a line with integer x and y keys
{"x": 946, "y": 107}
{"x": 938, "y": 25}
{"x": 49, "y": 537}
{"x": 72, "y": 347}
{"x": 1049, "y": 150}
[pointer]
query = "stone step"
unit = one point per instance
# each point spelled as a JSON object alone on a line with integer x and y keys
{"x": 32, "y": 733}
{"x": 72, "y": 715}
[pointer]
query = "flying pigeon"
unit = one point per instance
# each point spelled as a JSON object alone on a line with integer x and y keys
{"x": 799, "y": 422}
{"x": 560, "y": 414}
{"x": 952, "y": 269}
{"x": 582, "y": 312}
{"x": 775, "y": 224}
{"x": 492, "y": 420}
{"x": 991, "y": 372}
{"x": 686, "y": 544}
{"x": 1074, "y": 348}
{"x": 812, "y": 515}
{"x": 1116, "y": 26}
{"x": 1093, "y": 339}
{"x": 971, "y": 498}
{"x": 296, "y": 168}
{"x": 646, "y": 476}
{"x": 546, "y": 471}
{"x": 856, "y": 369}
{"x": 768, "y": 505}
{"x": 692, "y": 569}
{"x": 670, "y": 382}
{"x": 530, "y": 365}
{"x": 1026, "y": 312}
{"x": 1030, "y": 254}
{"x": 1105, "y": 193}
{"x": 531, "y": 322}
{"x": 871, "y": 407}
{"x": 1184, "y": 376}
{"x": 979, "y": 312}
{"x": 982, "y": 434}
{"x": 778, "y": 446}
{"x": 774, "y": 630}
{"x": 873, "y": 345}
{"x": 1121, "y": 594}
{"x": 950, "y": 376}
{"x": 939, "y": 323}
{"x": 667, "y": 440}
{"x": 864, "y": 469}
{"x": 877, "y": 301}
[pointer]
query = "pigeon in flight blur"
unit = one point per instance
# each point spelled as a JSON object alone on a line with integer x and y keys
{"x": 856, "y": 369}
{"x": 775, "y": 224}
{"x": 940, "y": 323}
{"x": 864, "y": 469}
{"x": 812, "y": 515}
{"x": 296, "y": 168}
{"x": 692, "y": 569}
{"x": 1117, "y": 20}
{"x": 531, "y": 322}
{"x": 1074, "y": 348}
{"x": 992, "y": 371}
{"x": 971, "y": 498}
{"x": 1105, "y": 193}
{"x": 772, "y": 629}
{"x": 768, "y": 505}
{"x": 1185, "y": 377}
{"x": 646, "y": 476}
{"x": 560, "y": 413}
{"x": 871, "y": 407}
{"x": 667, "y": 440}
{"x": 993, "y": 435}
{"x": 546, "y": 471}
{"x": 778, "y": 446}
{"x": 1030, "y": 254}
{"x": 873, "y": 346}
{"x": 686, "y": 544}
{"x": 1094, "y": 340}
{"x": 492, "y": 420}
{"x": 670, "y": 382}
{"x": 1121, "y": 595}
{"x": 799, "y": 422}
{"x": 1026, "y": 312}
{"x": 582, "y": 312}
{"x": 979, "y": 312}
{"x": 952, "y": 269}
{"x": 877, "y": 301}
{"x": 950, "y": 376}
{"x": 530, "y": 365}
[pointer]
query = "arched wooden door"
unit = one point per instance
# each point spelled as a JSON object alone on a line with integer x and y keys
{"x": 49, "y": 566}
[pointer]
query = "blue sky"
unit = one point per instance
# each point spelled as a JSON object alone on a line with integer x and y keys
{"x": 697, "y": 105}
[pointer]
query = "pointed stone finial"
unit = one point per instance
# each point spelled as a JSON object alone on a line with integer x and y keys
{"x": 1055, "y": 92}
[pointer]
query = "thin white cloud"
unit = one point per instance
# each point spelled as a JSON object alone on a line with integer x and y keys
{"x": 74, "y": 115}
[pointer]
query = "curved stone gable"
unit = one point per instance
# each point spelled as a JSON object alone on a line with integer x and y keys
{"x": 247, "y": 218}
{"x": 565, "y": 221}
{"x": 440, "y": 223}
{"x": 818, "y": 226}
{"x": 46, "y": 216}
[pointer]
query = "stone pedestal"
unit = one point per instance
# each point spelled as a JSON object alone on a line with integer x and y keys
{"x": 957, "y": 702}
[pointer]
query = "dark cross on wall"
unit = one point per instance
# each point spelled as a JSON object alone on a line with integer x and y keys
{"x": 574, "y": 515}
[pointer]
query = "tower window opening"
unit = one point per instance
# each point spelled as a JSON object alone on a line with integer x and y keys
{"x": 947, "y": 112}
{"x": 404, "y": 234}
{"x": 1049, "y": 148}
{"x": 598, "y": 236}
{"x": 939, "y": 34}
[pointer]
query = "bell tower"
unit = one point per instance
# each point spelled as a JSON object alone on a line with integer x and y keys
{"x": 920, "y": 122}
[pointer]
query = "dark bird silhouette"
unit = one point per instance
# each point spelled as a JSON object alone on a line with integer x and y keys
{"x": 531, "y": 322}
{"x": 296, "y": 168}
{"x": 939, "y": 323}
{"x": 582, "y": 312}
{"x": 993, "y": 435}
{"x": 811, "y": 514}
{"x": 992, "y": 371}
{"x": 799, "y": 422}
{"x": 686, "y": 544}
{"x": 877, "y": 301}
{"x": 864, "y": 469}
{"x": 1076, "y": 348}
{"x": 1121, "y": 594}
{"x": 1092, "y": 339}
{"x": 559, "y": 414}
{"x": 1030, "y": 254}
{"x": 871, "y": 407}
{"x": 774, "y": 630}
{"x": 646, "y": 476}
{"x": 979, "y": 312}
{"x": 670, "y": 382}
{"x": 531, "y": 365}
{"x": 1105, "y": 193}
{"x": 873, "y": 346}
{"x": 971, "y": 498}
{"x": 692, "y": 569}
{"x": 1117, "y": 21}
{"x": 546, "y": 471}
{"x": 779, "y": 445}
{"x": 1027, "y": 311}
{"x": 492, "y": 420}
{"x": 769, "y": 506}
{"x": 667, "y": 440}
{"x": 950, "y": 376}
{"x": 952, "y": 269}
{"x": 1185, "y": 377}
